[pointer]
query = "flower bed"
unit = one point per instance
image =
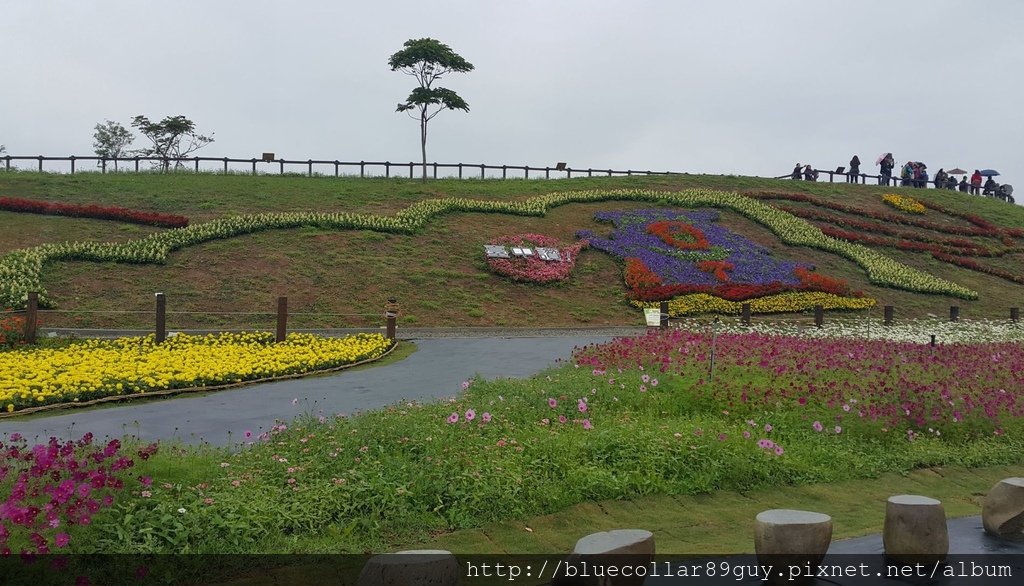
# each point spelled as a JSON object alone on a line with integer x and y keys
{"x": 533, "y": 269}
{"x": 51, "y": 208}
{"x": 734, "y": 268}
{"x": 21, "y": 271}
{"x": 903, "y": 203}
{"x": 697, "y": 303}
{"x": 100, "y": 368}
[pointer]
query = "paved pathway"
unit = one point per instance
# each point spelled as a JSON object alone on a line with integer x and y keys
{"x": 436, "y": 369}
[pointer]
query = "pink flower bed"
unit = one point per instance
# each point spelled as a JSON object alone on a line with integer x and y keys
{"x": 956, "y": 390}
{"x": 50, "y": 208}
{"x": 532, "y": 269}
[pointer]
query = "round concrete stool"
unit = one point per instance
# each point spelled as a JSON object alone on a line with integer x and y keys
{"x": 620, "y": 547}
{"x": 788, "y": 537}
{"x": 417, "y": 567}
{"x": 915, "y": 529}
{"x": 1003, "y": 511}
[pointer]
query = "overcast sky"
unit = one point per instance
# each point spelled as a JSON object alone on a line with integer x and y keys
{"x": 724, "y": 86}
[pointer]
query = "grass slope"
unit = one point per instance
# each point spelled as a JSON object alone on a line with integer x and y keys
{"x": 438, "y": 275}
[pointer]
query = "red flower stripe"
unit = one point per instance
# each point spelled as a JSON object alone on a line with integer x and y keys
{"x": 679, "y": 234}
{"x": 639, "y": 277}
{"x": 16, "y": 204}
{"x": 717, "y": 268}
{"x": 741, "y": 292}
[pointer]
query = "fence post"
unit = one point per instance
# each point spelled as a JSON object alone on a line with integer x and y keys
{"x": 254, "y": 166}
{"x": 504, "y": 171}
{"x": 103, "y": 164}
{"x": 136, "y": 163}
{"x": 745, "y": 314}
{"x": 387, "y": 169}
{"x": 547, "y": 172}
{"x": 390, "y": 317}
{"x": 362, "y": 168}
{"x": 40, "y": 163}
{"x": 819, "y": 315}
{"x": 590, "y": 172}
{"x": 410, "y": 170}
{"x": 161, "y": 318}
{"x": 888, "y": 315}
{"x": 663, "y": 317}
{"x": 568, "y": 173}
{"x": 954, "y": 313}
{"x": 31, "y": 317}
{"x": 336, "y": 163}
{"x": 435, "y": 170}
{"x": 460, "y": 170}
{"x": 609, "y": 172}
{"x": 482, "y": 171}
{"x": 282, "y": 319}
{"x": 225, "y": 165}
{"x": 1014, "y": 314}
{"x": 310, "y": 174}
{"x": 72, "y": 164}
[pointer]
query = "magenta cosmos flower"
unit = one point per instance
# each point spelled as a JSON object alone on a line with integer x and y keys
{"x": 454, "y": 417}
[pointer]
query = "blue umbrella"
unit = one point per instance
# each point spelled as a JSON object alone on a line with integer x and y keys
{"x": 988, "y": 172}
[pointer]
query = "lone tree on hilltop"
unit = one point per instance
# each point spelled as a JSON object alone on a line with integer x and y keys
{"x": 111, "y": 140}
{"x": 428, "y": 60}
{"x": 167, "y": 136}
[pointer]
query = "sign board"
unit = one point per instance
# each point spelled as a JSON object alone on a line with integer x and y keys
{"x": 494, "y": 251}
{"x": 268, "y": 157}
{"x": 653, "y": 316}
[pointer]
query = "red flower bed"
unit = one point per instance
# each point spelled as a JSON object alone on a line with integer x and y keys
{"x": 974, "y": 265}
{"x": 809, "y": 281}
{"x": 717, "y": 268}
{"x": 532, "y": 269}
{"x": 16, "y": 204}
{"x": 679, "y": 234}
{"x": 638, "y": 276}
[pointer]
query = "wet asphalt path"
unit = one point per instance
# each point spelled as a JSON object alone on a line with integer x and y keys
{"x": 435, "y": 370}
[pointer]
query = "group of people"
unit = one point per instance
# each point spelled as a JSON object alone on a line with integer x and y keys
{"x": 914, "y": 174}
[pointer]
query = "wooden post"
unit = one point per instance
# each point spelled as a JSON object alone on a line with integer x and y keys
{"x": 282, "y": 319}
{"x": 663, "y": 322}
{"x": 72, "y": 164}
{"x": 1014, "y": 314}
{"x": 136, "y": 163}
{"x": 411, "y": 168}
{"x": 309, "y": 174}
{"x": 281, "y": 161}
{"x": 362, "y": 169}
{"x": 547, "y": 172}
{"x": 387, "y": 169}
{"x": 435, "y": 170}
{"x": 954, "y": 313}
{"x": 460, "y": 170}
{"x": 225, "y": 165}
{"x": 390, "y": 317}
{"x": 31, "y": 317}
{"x": 745, "y": 314}
{"x": 819, "y": 315}
{"x": 103, "y": 165}
{"x": 161, "y": 318}
{"x": 254, "y": 166}
{"x": 482, "y": 167}
{"x": 526, "y": 169}
{"x": 889, "y": 309}
{"x": 40, "y": 163}
{"x": 336, "y": 163}
{"x": 933, "y": 340}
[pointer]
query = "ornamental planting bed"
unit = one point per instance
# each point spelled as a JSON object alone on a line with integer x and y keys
{"x": 94, "y": 370}
{"x": 51, "y": 208}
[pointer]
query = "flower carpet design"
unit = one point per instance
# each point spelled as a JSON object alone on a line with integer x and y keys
{"x": 904, "y": 203}
{"x": 704, "y": 267}
{"x": 50, "y": 208}
{"x": 533, "y": 269}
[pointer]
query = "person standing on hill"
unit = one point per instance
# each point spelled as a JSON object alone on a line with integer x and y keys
{"x": 976, "y": 183}
{"x": 851, "y": 177}
{"x": 886, "y": 174}
{"x": 964, "y": 186}
{"x": 940, "y": 179}
{"x": 796, "y": 172}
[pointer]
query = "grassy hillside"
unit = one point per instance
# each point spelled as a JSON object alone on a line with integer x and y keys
{"x": 439, "y": 274}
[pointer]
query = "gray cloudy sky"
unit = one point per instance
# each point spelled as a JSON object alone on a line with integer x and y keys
{"x": 725, "y": 86}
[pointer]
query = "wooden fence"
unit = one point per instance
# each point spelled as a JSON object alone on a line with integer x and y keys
{"x": 159, "y": 314}
{"x": 254, "y": 166}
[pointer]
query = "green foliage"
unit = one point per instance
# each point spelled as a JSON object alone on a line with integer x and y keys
{"x": 111, "y": 140}
{"x": 166, "y": 137}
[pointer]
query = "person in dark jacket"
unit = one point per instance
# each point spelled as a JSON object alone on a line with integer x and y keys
{"x": 964, "y": 185}
{"x": 886, "y": 173}
{"x": 951, "y": 183}
{"x": 990, "y": 187}
{"x": 796, "y": 172}
{"x": 810, "y": 174}
{"x": 854, "y": 173}
{"x": 940, "y": 179}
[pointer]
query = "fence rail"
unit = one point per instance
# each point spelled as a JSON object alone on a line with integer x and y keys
{"x": 253, "y": 166}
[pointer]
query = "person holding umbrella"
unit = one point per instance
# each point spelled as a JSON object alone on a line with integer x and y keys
{"x": 886, "y": 162}
{"x": 976, "y": 183}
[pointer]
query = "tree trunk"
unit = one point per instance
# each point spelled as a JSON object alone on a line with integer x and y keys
{"x": 423, "y": 141}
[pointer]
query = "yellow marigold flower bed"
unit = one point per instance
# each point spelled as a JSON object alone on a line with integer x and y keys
{"x": 783, "y": 302}
{"x": 904, "y": 203}
{"x": 92, "y": 369}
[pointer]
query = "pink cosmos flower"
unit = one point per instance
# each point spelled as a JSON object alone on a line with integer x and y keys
{"x": 486, "y": 417}
{"x": 721, "y": 437}
{"x": 582, "y": 406}
{"x": 248, "y": 434}
{"x": 778, "y": 450}
{"x": 562, "y": 419}
{"x": 646, "y": 378}
{"x": 501, "y": 443}
{"x": 654, "y": 382}
{"x": 61, "y": 539}
{"x": 586, "y": 424}
{"x": 818, "y": 426}
{"x": 643, "y": 388}
{"x": 768, "y": 427}
{"x": 839, "y": 429}
{"x": 846, "y": 408}
{"x": 470, "y": 415}
{"x": 552, "y": 402}
{"x": 453, "y": 418}
{"x": 746, "y": 434}
{"x": 465, "y": 385}
{"x": 545, "y": 421}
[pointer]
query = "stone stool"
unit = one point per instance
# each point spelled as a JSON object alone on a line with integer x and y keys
{"x": 620, "y": 547}
{"x": 1003, "y": 511}
{"x": 915, "y": 529}
{"x": 417, "y": 567}
{"x": 789, "y": 537}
